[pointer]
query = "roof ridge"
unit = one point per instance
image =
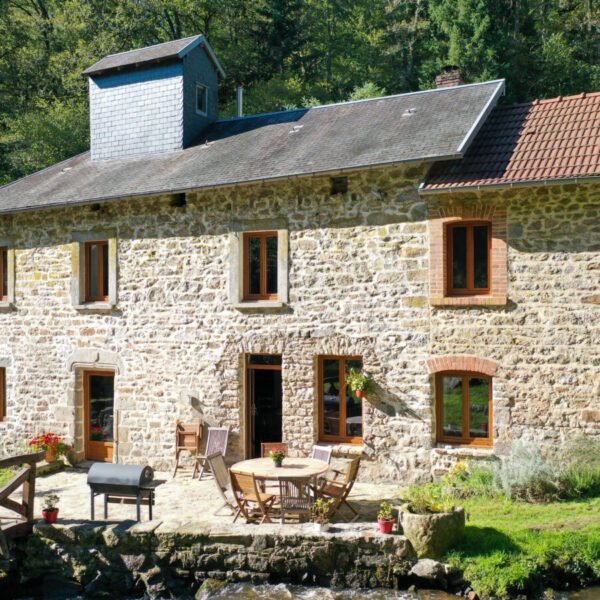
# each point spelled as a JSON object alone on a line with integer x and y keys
{"x": 190, "y": 37}
{"x": 538, "y": 101}
{"x": 363, "y": 101}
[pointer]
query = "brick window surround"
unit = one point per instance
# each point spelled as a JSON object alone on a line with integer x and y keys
{"x": 462, "y": 362}
{"x": 439, "y": 218}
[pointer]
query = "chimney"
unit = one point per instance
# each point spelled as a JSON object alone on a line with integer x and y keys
{"x": 152, "y": 100}
{"x": 239, "y": 101}
{"x": 449, "y": 77}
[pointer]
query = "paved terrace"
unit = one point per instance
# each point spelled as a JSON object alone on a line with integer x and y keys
{"x": 188, "y": 503}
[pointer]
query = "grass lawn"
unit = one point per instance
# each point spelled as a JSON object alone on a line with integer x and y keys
{"x": 5, "y": 475}
{"x": 513, "y": 547}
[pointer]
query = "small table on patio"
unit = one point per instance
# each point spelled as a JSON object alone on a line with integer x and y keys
{"x": 299, "y": 468}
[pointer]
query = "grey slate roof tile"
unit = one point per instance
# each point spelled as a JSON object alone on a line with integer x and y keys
{"x": 327, "y": 139}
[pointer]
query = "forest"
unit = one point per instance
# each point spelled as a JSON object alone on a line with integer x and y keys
{"x": 286, "y": 53}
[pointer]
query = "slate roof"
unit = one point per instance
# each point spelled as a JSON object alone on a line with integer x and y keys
{"x": 420, "y": 126}
{"x": 150, "y": 54}
{"x": 538, "y": 141}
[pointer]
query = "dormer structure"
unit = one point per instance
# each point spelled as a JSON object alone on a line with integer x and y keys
{"x": 153, "y": 100}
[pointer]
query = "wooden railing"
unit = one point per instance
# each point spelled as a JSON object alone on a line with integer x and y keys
{"x": 22, "y": 523}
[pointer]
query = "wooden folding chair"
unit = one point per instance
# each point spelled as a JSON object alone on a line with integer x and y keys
{"x": 187, "y": 439}
{"x": 218, "y": 467}
{"x": 267, "y": 447}
{"x": 295, "y": 498}
{"x": 251, "y": 502}
{"x": 215, "y": 442}
{"x": 322, "y": 453}
{"x": 339, "y": 489}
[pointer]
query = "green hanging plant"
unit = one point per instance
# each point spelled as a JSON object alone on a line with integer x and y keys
{"x": 360, "y": 383}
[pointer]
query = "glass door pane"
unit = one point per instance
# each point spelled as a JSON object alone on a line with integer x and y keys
{"x": 353, "y": 405}
{"x": 479, "y": 407}
{"x": 452, "y": 406}
{"x": 331, "y": 396}
{"x": 101, "y": 406}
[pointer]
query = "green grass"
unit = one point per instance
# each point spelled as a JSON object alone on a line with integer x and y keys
{"x": 513, "y": 547}
{"x": 5, "y": 475}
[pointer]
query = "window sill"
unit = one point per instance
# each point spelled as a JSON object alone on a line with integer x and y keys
{"x": 254, "y": 304}
{"x": 443, "y": 449}
{"x": 7, "y": 307}
{"x": 341, "y": 449}
{"x": 95, "y": 307}
{"x": 483, "y": 300}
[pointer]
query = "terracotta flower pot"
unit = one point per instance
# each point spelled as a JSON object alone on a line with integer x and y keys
{"x": 50, "y": 457}
{"x": 359, "y": 393}
{"x": 386, "y": 526}
{"x": 50, "y": 515}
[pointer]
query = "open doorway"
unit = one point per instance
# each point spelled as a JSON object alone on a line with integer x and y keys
{"x": 263, "y": 401}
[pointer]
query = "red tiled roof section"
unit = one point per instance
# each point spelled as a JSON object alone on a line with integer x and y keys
{"x": 541, "y": 140}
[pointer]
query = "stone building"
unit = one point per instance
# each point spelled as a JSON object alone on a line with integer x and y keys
{"x": 233, "y": 271}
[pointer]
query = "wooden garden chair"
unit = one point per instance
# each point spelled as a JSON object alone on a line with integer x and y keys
{"x": 322, "y": 453}
{"x": 217, "y": 465}
{"x": 215, "y": 442}
{"x": 339, "y": 488}
{"x": 187, "y": 439}
{"x": 267, "y": 447}
{"x": 250, "y": 500}
{"x": 295, "y": 498}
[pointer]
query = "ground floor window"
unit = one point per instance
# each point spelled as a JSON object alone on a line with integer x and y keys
{"x": 464, "y": 408}
{"x": 340, "y": 411}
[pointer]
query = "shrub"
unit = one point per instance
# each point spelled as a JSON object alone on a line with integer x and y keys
{"x": 468, "y": 480}
{"x": 429, "y": 498}
{"x": 579, "y": 463}
{"x": 526, "y": 474}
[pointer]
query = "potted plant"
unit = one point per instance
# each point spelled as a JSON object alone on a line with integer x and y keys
{"x": 320, "y": 513}
{"x": 360, "y": 383}
{"x": 54, "y": 446}
{"x": 50, "y": 510}
{"x": 385, "y": 518}
{"x": 430, "y": 520}
{"x": 277, "y": 456}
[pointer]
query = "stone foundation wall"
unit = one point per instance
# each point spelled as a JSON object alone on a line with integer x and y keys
{"x": 358, "y": 285}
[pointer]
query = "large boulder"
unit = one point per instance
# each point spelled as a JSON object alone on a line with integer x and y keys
{"x": 432, "y": 534}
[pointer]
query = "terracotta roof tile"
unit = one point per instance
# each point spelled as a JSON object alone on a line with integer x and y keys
{"x": 557, "y": 138}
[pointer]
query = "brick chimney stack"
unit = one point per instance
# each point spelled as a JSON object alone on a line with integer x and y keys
{"x": 449, "y": 77}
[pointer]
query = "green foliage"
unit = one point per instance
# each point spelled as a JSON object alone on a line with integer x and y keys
{"x": 429, "y": 498}
{"x": 320, "y": 510}
{"x": 286, "y": 53}
{"x": 50, "y": 502}
{"x": 385, "y": 512}
{"x": 511, "y": 547}
{"x": 357, "y": 380}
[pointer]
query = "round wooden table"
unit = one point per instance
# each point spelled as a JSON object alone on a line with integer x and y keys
{"x": 264, "y": 468}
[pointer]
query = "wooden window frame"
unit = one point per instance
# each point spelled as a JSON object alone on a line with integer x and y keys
{"x": 263, "y": 235}
{"x": 323, "y": 437}
{"x": 3, "y": 273}
{"x": 470, "y": 290}
{"x": 3, "y": 410}
{"x": 202, "y": 89}
{"x": 103, "y": 297}
{"x": 466, "y": 417}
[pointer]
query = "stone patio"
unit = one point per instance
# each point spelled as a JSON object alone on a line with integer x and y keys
{"x": 182, "y": 501}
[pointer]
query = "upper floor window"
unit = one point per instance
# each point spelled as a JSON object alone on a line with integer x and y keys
{"x": 260, "y": 265}
{"x": 96, "y": 271}
{"x": 468, "y": 254}
{"x": 3, "y": 273}
{"x": 2, "y": 393}
{"x": 201, "y": 99}
{"x": 464, "y": 408}
{"x": 340, "y": 410}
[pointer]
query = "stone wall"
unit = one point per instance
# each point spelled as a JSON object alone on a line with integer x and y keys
{"x": 358, "y": 285}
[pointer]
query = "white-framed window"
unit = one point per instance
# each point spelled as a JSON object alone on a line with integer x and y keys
{"x": 201, "y": 99}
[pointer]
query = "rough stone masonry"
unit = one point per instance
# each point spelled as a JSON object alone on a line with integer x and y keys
{"x": 358, "y": 285}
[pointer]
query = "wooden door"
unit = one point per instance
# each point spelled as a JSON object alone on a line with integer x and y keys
{"x": 99, "y": 401}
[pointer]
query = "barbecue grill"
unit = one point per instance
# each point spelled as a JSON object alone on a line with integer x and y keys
{"x": 122, "y": 484}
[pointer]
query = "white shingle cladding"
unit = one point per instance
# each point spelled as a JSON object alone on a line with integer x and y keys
{"x": 137, "y": 112}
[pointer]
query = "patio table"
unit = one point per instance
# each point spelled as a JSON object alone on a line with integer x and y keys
{"x": 265, "y": 469}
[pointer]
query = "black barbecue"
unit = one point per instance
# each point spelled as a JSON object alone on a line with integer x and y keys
{"x": 123, "y": 484}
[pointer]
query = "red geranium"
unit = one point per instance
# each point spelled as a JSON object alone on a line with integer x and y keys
{"x": 52, "y": 443}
